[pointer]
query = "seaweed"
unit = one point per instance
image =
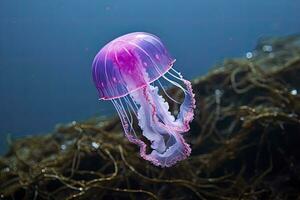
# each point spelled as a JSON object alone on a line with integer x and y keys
{"x": 244, "y": 137}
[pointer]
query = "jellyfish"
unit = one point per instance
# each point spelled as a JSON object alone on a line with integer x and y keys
{"x": 127, "y": 71}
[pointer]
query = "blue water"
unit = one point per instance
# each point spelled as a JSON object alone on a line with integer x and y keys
{"x": 46, "y": 48}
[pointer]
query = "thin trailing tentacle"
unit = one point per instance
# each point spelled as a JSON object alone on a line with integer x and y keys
{"x": 166, "y": 93}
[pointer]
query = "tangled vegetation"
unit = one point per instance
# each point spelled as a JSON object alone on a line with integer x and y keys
{"x": 245, "y": 143}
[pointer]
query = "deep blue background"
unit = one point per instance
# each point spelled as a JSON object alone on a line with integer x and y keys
{"x": 47, "y": 46}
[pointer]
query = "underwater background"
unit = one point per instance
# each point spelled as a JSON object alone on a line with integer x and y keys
{"x": 47, "y": 47}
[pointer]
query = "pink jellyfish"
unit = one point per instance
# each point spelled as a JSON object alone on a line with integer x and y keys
{"x": 127, "y": 71}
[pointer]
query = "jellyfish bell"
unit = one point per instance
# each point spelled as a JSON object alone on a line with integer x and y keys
{"x": 126, "y": 71}
{"x": 128, "y": 63}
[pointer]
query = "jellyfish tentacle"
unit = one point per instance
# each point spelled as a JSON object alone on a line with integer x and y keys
{"x": 175, "y": 83}
{"x": 130, "y": 106}
{"x": 159, "y": 126}
{"x": 178, "y": 75}
{"x": 132, "y": 136}
{"x": 126, "y": 122}
{"x": 166, "y": 93}
{"x": 167, "y": 143}
{"x": 186, "y": 111}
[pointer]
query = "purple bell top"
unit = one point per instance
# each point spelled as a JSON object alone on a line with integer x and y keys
{"x": 128, "y": 63}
